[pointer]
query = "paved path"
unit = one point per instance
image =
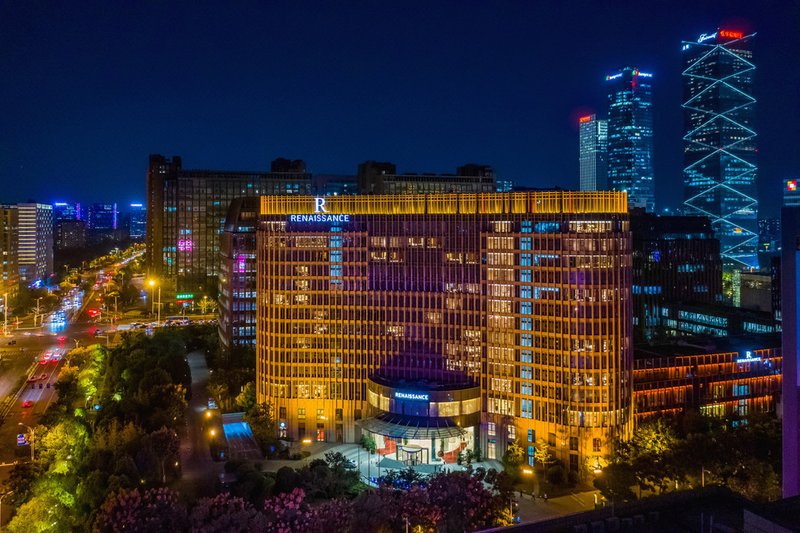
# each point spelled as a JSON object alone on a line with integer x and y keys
{"x": 199, "y": 471}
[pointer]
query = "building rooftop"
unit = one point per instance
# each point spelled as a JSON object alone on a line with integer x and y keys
{"x": 708, "y": 345}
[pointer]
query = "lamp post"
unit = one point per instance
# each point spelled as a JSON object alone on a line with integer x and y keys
{"x": 9, "y": 493}
{"x": 36, "y": 316}
{"x": 5, "y": 313}
{"x": 152, "y": 284}
{"x": 158, "y": 316}
{"x": 33, "y": 439}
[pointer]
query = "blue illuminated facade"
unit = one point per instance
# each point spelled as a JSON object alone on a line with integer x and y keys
{"x": 630, "y": 136}
{"x": 720, "y": 167}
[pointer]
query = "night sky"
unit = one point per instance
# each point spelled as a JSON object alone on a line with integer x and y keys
{"x": 88, "y": 90}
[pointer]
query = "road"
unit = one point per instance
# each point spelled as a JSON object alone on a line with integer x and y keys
{"x": 199, "y": 471}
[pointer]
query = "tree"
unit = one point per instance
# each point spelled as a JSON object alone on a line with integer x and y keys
{"x": 224, "y": 513}
{"x": 246, "y": 400}
{"x": 155, "y": 510}
{"x": 166, "y": 445}
{"x": 543, "y": 454}
{"x": 287, "y": 512}
{"x": 513, "y": 459}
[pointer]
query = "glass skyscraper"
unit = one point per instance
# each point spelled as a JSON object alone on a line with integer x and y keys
{"x": 593, "y": 139}
{"x": 630, "y": 136}
{"x": 720, "y": 168}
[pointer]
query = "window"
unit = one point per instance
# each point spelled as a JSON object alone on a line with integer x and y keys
{"x": 526, "y": 408}
{"x": 551, "y": 439}
{"x": 339, "y": 415}
{"x": 596, "y": 445}
{"x": 531, "y": 455}
{"x": 301, "y": 413}
{"x": 526, "y": 323}
{"x": 527, "y": 388}
{"x": 573, "y": 443}
{"x": 531, "y": 435}
{"x": 490, "y": 429}
{"x": 526, "y": 372}
{"x": 320, "y": 414}
{"x": 512, "y": 432}
{"x": 282, "y": 413}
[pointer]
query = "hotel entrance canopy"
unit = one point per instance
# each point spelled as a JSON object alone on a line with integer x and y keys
{"x": 411, "y": 427}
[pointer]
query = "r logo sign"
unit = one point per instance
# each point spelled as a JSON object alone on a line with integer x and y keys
{"x": 319, "y": 205}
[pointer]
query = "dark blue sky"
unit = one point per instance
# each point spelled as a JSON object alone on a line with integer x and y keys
{"x": 88, "y": 89}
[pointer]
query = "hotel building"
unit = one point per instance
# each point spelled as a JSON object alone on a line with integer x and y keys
{"x": 438, "y": 323}
{"x": 376, "y": 177}
{"x": 730, "y": 377}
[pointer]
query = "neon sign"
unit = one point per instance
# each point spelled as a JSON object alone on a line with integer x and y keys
{"x": 791, "y": 185}
{"x": 587, "y": 118}
{"x": 319, "y": 218}
{"x": 319, "y": 205}
{"x": 615, "y": 76}
{"x": 728, "y": 34}
{"x": 706, "y": 36}
{"x": 411, "y": 396}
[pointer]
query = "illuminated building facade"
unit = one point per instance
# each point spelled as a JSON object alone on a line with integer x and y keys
{"x": 69, "y": 234}
{"x": 137, "y": 221}
{"x": 9, "y": 269}
{"x": 438, "y": 322}
{"x": 237, "y": 276}
{"x": 630, "y": 136}
{"x": 66, "y": 211}
{"x": 593, "y": 140}
{"x": 791, "y": 194}
{"x": 376, "y": 177}
{"x": 675, "y": 259}
{"x": 731, "y": 378}
{"x": 186, "y": 212}
{"x": 35, "y": 238}
{"x": 720, "y": 167}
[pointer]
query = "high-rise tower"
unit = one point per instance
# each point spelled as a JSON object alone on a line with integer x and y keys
{"x": 593, "y": 139}
{"x": 630, "y": 136}
{"x": 720, "y": 169}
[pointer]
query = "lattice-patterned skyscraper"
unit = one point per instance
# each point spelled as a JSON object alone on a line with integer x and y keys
{"x": 720, "y": 143}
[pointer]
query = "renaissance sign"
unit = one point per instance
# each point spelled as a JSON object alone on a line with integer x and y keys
{"x": 411, "y": 396}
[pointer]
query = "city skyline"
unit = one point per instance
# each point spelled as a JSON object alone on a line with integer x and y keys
{"x": 528, "y": 103}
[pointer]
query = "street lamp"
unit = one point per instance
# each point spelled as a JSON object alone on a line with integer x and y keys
{"x": 33, "y": 439}
{"x": 153, "y": 284}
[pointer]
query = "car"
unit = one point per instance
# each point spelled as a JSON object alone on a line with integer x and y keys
{"x": 27, "y": 403}
{"x": 12, "y": 342}
{"x": 33, "y": 379}
{"x": 44, "y": 361}
{"x": 43, "y": 376}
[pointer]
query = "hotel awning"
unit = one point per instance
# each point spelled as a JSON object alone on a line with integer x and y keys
{"x": 411, "y": 427}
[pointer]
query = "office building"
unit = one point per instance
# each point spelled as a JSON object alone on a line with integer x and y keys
{"x": 720, "y": 143}
{"x": 102, "y": 217}
{"x": 66, "y": 211}
{"x": 726, "y": 378}
{"x": 438, "y": 322}
{"x": 137, "y": 221}
{"x": 630, "y": 136}
{"x": 69, "y": 234}
{"x": 769, "y": 241}
{"x": 791, "y": 196}
{"x": 505, "y": 185}
{"x": 334, "y": 184}
{"x": 592, "y": 153}
{"x": 237, "y": 277}
{"x": 9, "y": 268}
{"x": 675, "y": 259}
{"x": 382, "y": 178}
{"x": 35, "y": 251}
{"x": 714, "y": 320}
{"x": 186, "y": 212}
{"x": 790, "y": 322}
